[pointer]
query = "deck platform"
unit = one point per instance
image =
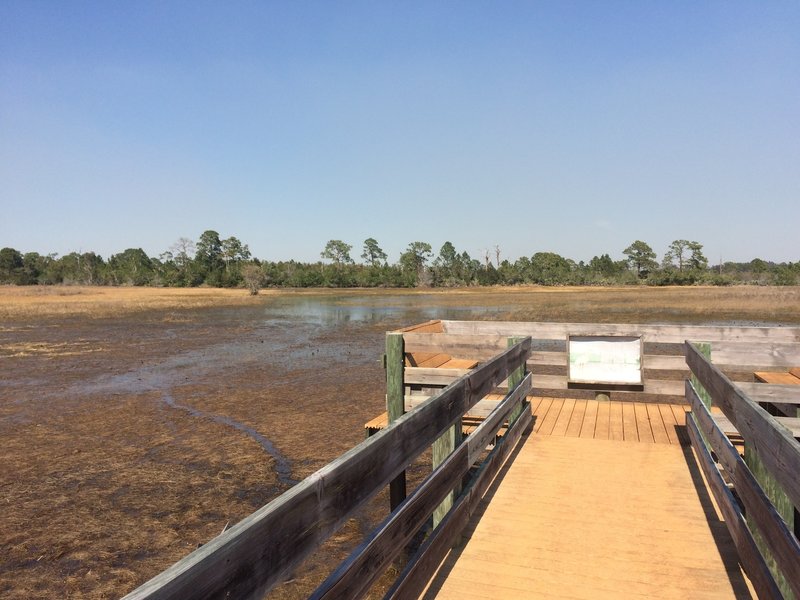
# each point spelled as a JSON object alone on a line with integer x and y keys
{"x": 602, "y": 500}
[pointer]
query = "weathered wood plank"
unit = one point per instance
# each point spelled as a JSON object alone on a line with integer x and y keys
{"x": 776, "y": 377}
{"x": 651, "y": 386}
{"x": 751, "y": 558}
{"x": 601, "y": 430}
{"x": 354, "y": 577}
{"x": 782, "y": 543}
{"x": 668, "y": 418}
{"x": 482, "y": 408}
{"x": 424, "y": 563}
{"x": 563, "y": 421}
{"x": 460, "y": 363}
{"x": 781, "y": 394}
{"x": 779, "y": 451}
{"x": 653, "y": 333}
{"x": 657, "y": 424}
{"x": 643, "y": 423}
{"x": 590, "y": 419}
{"x": 443, "y": 447}
{"x": 757, "y": 355}
{"x": 616, "y": 427}
{"x": 433, "y": 375}
{"x": 578, "y": 412}
{"x": 550, "y": 419}
{"x": 395, "y": 403}
{"x": 248, "y": 559}
{"x": 436, "y": 326}
{"x": 541, "y": 412}
{"x": 434, "y": 361}
{"x": 477, "y": 442}
{"x": 630, "y": 429}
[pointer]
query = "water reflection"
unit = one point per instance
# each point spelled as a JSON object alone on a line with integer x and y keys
{"x": 336, "y": 310}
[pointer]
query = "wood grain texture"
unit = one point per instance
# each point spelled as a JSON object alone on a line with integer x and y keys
{"x": 759, "y": 392}
{"x": 782, "y": 543}
{"x": 423, "y": 564}
{"x": 779, "y": 377}
{"x": 627, "y": 522}
{"x": 354, "y": 577}
{"x": 754, "y": 564}
{"x": 779, "y": 451}
{"x": 395, "y": 404}
{"x": 653, "y": 333}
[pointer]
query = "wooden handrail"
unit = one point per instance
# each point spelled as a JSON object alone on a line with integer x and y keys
{"x": 251, "y": 557}
{"x": 760, "y": 511}
{"x": 367, "y": 563}
{"x": 779, "y": 451}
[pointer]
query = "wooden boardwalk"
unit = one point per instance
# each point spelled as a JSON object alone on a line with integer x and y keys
{"x": 603, "y": 500}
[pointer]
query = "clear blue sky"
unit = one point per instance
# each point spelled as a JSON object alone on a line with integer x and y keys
{"x": 571, "y": 127}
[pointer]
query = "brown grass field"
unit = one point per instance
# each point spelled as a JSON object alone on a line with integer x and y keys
{"x": 132, "y": 419}
{"x": 691, "y": 304}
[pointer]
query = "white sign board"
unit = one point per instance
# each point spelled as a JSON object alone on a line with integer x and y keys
{"x": 605, "y": 359}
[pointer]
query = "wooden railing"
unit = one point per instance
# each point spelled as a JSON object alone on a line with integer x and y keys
{"x": 253, "y": 556}
{"x": 767, "y": 545}
{"x": 738, "y": 352}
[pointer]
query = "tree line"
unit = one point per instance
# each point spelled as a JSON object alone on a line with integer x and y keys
{"x": 227, "y": 262}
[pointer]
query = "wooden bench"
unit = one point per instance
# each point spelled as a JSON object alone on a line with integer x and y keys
{"x": 791, "y": 377}
{"x": 429, "y": 360}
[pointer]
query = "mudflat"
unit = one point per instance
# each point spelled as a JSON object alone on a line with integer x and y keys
{"x": 137, "y": 423}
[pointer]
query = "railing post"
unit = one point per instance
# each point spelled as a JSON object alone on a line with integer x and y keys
{"x": 514, "y": 379}
{"x": 441, "y": 449}
{"x": 395, "y": 403}
{"x": 705, "y": 349}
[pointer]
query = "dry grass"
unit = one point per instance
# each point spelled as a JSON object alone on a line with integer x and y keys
{"x": 102, "y": 490}
{"x": 534, "y": 303}
{"x": 57, "y": 301}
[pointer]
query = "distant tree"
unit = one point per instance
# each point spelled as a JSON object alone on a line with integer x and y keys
{"x": 338, "y": 252}
{"x": 676, "y": 253}
{"x": 697, "y": 260}
{"x": 208, "y": 249}
{"x": 253, "y": 276}
{"x": 641, "y": 258}
{"x": 549, "y": 268}
{"x": 34, "y": 266}
{"x": 373, "y": 254}
{"x": 758, "y": 266}
{"x": 446, "y": 266}
{"x": 183, "y": 252}
{"x": 208, "y": 262}
{"x": 605, "y": 266}
{"x": 413, "y": 262}
{"x": 233, "y": 251}
{"x": 131, "y": 267}
{"x": 11, "y": 266}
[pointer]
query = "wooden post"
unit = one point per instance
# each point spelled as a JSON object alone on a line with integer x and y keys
{"x": 395, "y": 403}
{"x": 705, "y": 349}
{"x": 514, "y": 379}
{"x": 441, "y": 449}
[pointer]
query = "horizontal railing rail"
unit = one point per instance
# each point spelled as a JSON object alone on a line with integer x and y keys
{"x": 739, "y": 351}
{"x": 750, "y": 509}
{"x": 261, "y": 550}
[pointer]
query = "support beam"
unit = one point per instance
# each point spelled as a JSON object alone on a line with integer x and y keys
{"x": 395, "y": 404}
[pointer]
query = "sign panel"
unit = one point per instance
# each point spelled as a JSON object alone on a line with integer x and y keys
{"x": 605, "y": 359}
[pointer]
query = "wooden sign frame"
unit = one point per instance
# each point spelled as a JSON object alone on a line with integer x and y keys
{"x": 612, "y": 360}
